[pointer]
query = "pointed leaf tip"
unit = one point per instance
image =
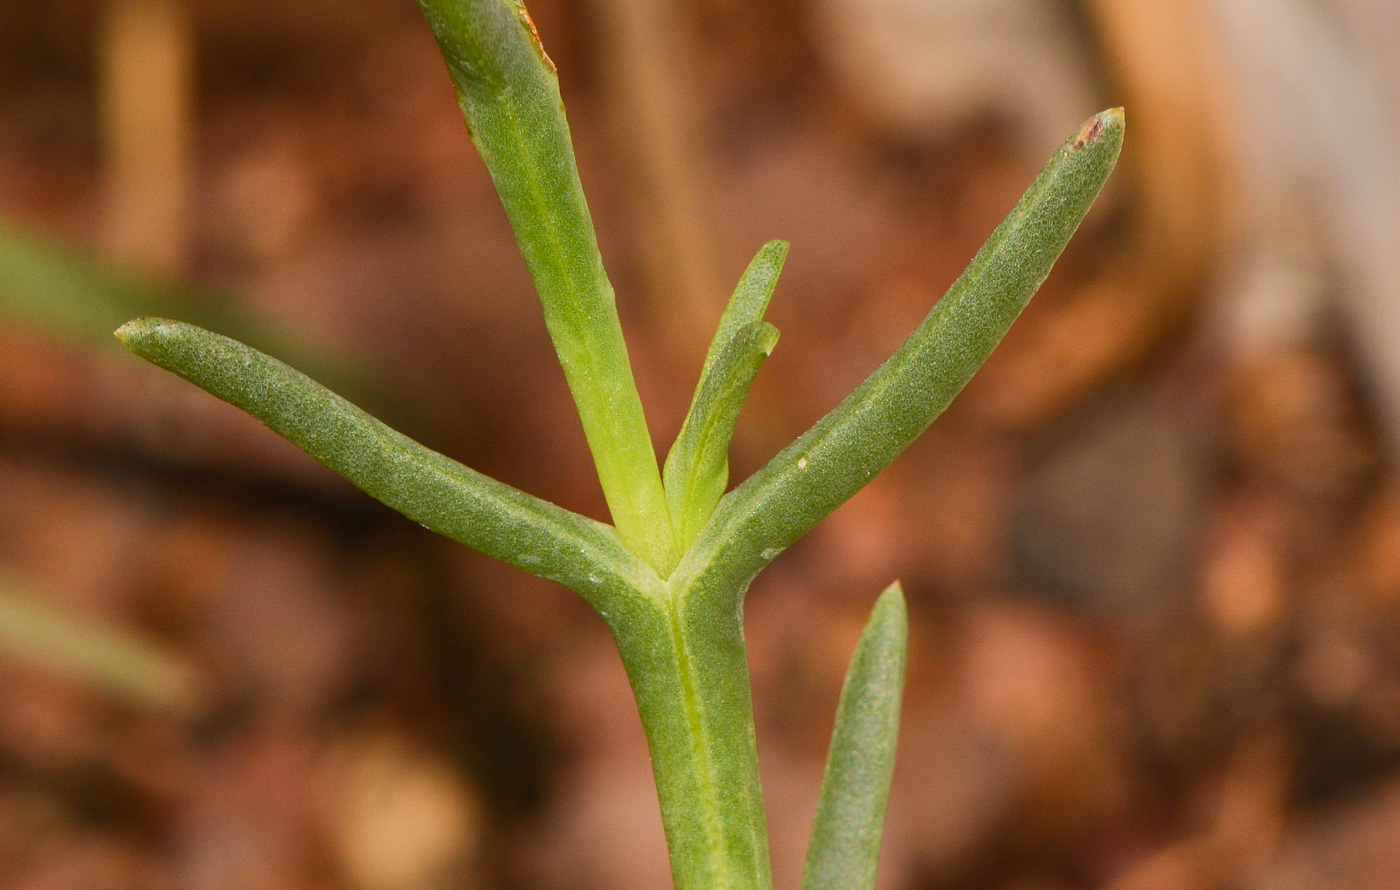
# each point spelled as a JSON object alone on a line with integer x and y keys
{"x": 1106, "y": 125}
{"x": 124, "y": 332}
{"x": 138, "y": 330}
{"x": 891, "y": 607}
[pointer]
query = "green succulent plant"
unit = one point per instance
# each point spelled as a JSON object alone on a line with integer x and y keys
{"x": 669, "y": 575}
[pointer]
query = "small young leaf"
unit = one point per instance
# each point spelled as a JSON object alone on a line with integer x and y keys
{"x": 851, "y": 812}
{"x": 861, "y": 436}
{"x": 509, "y": 94}
{"x": 697, "y": 469}
{"x": 749, "y": 300}
{"x": 429, "y": 488}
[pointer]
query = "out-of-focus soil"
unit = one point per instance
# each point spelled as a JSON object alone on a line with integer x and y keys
{"x": 1156, "y": 615}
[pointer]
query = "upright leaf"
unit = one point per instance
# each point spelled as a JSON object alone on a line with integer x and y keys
{"x": 749, "y": 301}
{"x": 851, "y": 812}
{"x": 509, "y": 94}
{"x": 697, "y": 469}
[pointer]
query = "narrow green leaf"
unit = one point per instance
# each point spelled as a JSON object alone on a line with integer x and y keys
{"x": 509, "y": 94}
{"x": 861, "y": 436}
{"x": 697, "y": 469}
{"x": 427, "y": 487}
{"x": 118, "y": 662}
{"x": 845, "y": 843}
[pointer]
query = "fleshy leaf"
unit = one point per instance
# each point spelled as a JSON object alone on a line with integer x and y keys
{"x": 850, "y": 818}
{"x": 427, "y": 487}
{"x": 697, "y": 470}
{"x": 509, "y": 94}
{"x": 749, "y": 300}
{"x": 861, "y": 436}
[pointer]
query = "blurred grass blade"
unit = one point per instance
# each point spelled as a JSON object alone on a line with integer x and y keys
{"x": 115, "y": 661}
{"x": 61, "y": 292}
{"x": 427, "y": 487}
{"x": 697, "y": 469}
{"x": 509, "y": 94}
{"x": 845, "y": 842}
{"x": 861, "y": 436}
{"x": 58, "y": 291}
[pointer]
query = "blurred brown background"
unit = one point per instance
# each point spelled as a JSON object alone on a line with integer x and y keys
{"x": 1152, "y": 553}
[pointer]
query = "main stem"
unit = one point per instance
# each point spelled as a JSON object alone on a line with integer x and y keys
{"x": 689, "y": 672}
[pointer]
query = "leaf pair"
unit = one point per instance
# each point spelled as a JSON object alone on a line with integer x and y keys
{"x": 686, "y": 531}
{"x": 697, "y": 469}
{"x": 691, "y": 614}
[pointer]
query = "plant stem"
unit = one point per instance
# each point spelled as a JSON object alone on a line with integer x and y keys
{"x": 686, "y": 663}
